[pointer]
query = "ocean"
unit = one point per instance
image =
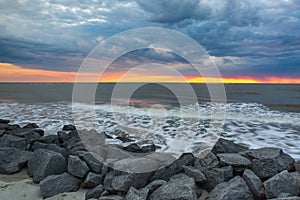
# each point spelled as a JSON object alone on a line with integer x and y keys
{"x": 257, "y": 115}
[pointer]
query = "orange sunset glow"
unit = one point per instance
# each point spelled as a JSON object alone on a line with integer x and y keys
{"x": 13, "y": 73}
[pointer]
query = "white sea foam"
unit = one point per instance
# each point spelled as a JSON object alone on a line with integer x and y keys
{"x": 249, "y": 123}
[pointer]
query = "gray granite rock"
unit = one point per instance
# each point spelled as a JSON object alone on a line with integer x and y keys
{"x": 297, "y": 166}
{"x": 125, "y": 181}
{"x": 206, "y": 160}
{"x": 174, "y": 168}
{"x": 233, "y": 159}
{"x": 13, "y": 160}
{"x": 44, "y": 163}
{"x": 56, "y": 184}
{"x": 281, "y": 185}
{"x": 179, "y": 186}
{"x": 215, "y": 176}
{"x": 134, "y": 194}
{"x": 92, "y": 180}
{"x": 254, "y": 184}
{"x": 13, "y": 141}
{"x": 112, "y": 197}
{"x": 95, "y": 192}
{"x": 267, "y": 162}
{"x": 234, "y": 189}
{"x": 77, "y": 167}
{"x": 194, "y": 173}
{"x": 50, "y": 147}
{"x": 94, "y": 164}
{"x": 227, "y": 146}
{"x": 154, "y": 185}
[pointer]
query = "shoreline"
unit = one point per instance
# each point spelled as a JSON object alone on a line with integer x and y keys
{"x": 26, "y": 156}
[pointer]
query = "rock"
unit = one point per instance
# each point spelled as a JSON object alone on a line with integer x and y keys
{"x": 124, "y": 139}
{"x": 154, "y": 185}
{"x": 134, "y": 194}
{"x": 179, "y": 186}
{"x": 233, "y": 159}
{"x": 133, "y": 148}
{"x": 10, "y": 127}
{"x": 12, "y": 141}
{"x": 63, "y": 136}
{"x": 194, "y": 173}
{"x": 92, "y": 180}
{"x": 32, "y": 137}
{"x": 31, "y": 125}
{"x": 50, "y": 147}
{"x": 13, "y": 160}
{"x": 44, "y": 163}
{"x": 69, "y": 127}
{"x": 297, "y": 166}
{"x": 136, "y": 165}
{"x": 296, "y": 176}
{"x": 267, "y": 162}
{"x": 49, "y": 139}
{"x": 281, "y": 185}
{"x": 4, "y": 121}
{"x": 174, "y": 168}
{"x": 287, "y": 198}
{"x": 206, "y": 160}
{"x": 125, "y": 181}
{"x": 254, "y": 184}
{"x": 234, "y": 189}
{"x": 94, "y": 164}
{"x": 77, "y": 167}
{"x": 149, "y": 148}
{"x": 56, "y": 184}
{"x": 215, "y": 176}
{"x": 74, "y": 134}
{"x": 227, "y": 146}
{"x": 111, "y": 197}
{"x": 2, "y": 131}
{"x": 94, "y": 192}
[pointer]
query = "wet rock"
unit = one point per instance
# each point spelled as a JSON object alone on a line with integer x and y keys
{"x": 2, "y": 131}
{"x": 134, "y": 194}
{"x": 63, "y": 136}
{"x": 125, "y": 181}
{"x": 69, "y": 127}
{"x": 267, "y": 162}
{"x": 31, "y": 125}
{"x": 49, "y": 139}
{"x": 12, "y": 141}
{"x": 234, "y": 189}
{"x": 233, "y": 159}
{"x": 4, "y": 121}
{"x": 44, "y": 163}
{"x": 124, "y": 139}
{"x": 297, "y": 166}
{"x": 206, "y": 160}
{"x": 94, "y": 164}
{"x": 194, "y": 173}
{"x": 13, "y": 160}
{"x": 174, "y": 168}
{"x": 56, "y": 184}
{"x": 94, "y": 192}
{"x": 296, "y": 176}
{"x": 154, "y": 185}
{"x": 215, "y": 176}
{"x": 133, "y": 148}
{"x": 179, "y": 186}
{"x": 254, "y": 184}
{"x": 10, "y": 127}
{"x": 92, "y": 180}
{"x": 287, "y": 198}
{"x": 77, "y": 167}
{"x": 50, "y": 147}
{"x": 281, "y": 185}
{"x": 228, "y": 146}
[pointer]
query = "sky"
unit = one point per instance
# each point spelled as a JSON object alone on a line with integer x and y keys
{"x": 250, "y": 41}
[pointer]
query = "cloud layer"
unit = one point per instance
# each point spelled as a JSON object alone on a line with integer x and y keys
{"x": 258, "y": 38}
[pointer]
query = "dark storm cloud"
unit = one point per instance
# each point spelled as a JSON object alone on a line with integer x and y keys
{"x": 243, "y": 37}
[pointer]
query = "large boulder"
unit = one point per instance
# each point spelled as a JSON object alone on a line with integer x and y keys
{"x": 56, "y": 184}
{"x": 95, "y": 192}
{"x": 217, "y": 175}
{"x": 91, "y": 180}
{"x": 194, "y": 173}
{"x": 281, "y": 185}
{"x": 297, "y": 166}
{"x": 4, "y": 121}
{"x": 112, "y": 197}
{"x": 154, "y": 185}
{"x": 93, "y": 163}
{"x": 174, "y": 168}
{"x": 134, "y": 194}
{"x": 13, "y": 160}
{"x": 254, "y": 184}
{"x": 233, "y": 159}
{"x": 179, "y": 186}
{"x": 77, "y": 167}
{"x": 227, "y": 146}
{"x": 13, "y": 141}
{"x": 234, "y": 189}
{"x": 206, "y": 160}
{"x": 268, "y": 161}
{"x": 50, "y": 147}
{"x": 44, "y": 163}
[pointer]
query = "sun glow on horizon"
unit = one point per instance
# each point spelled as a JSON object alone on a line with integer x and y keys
{"x": 13, "y": 73}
